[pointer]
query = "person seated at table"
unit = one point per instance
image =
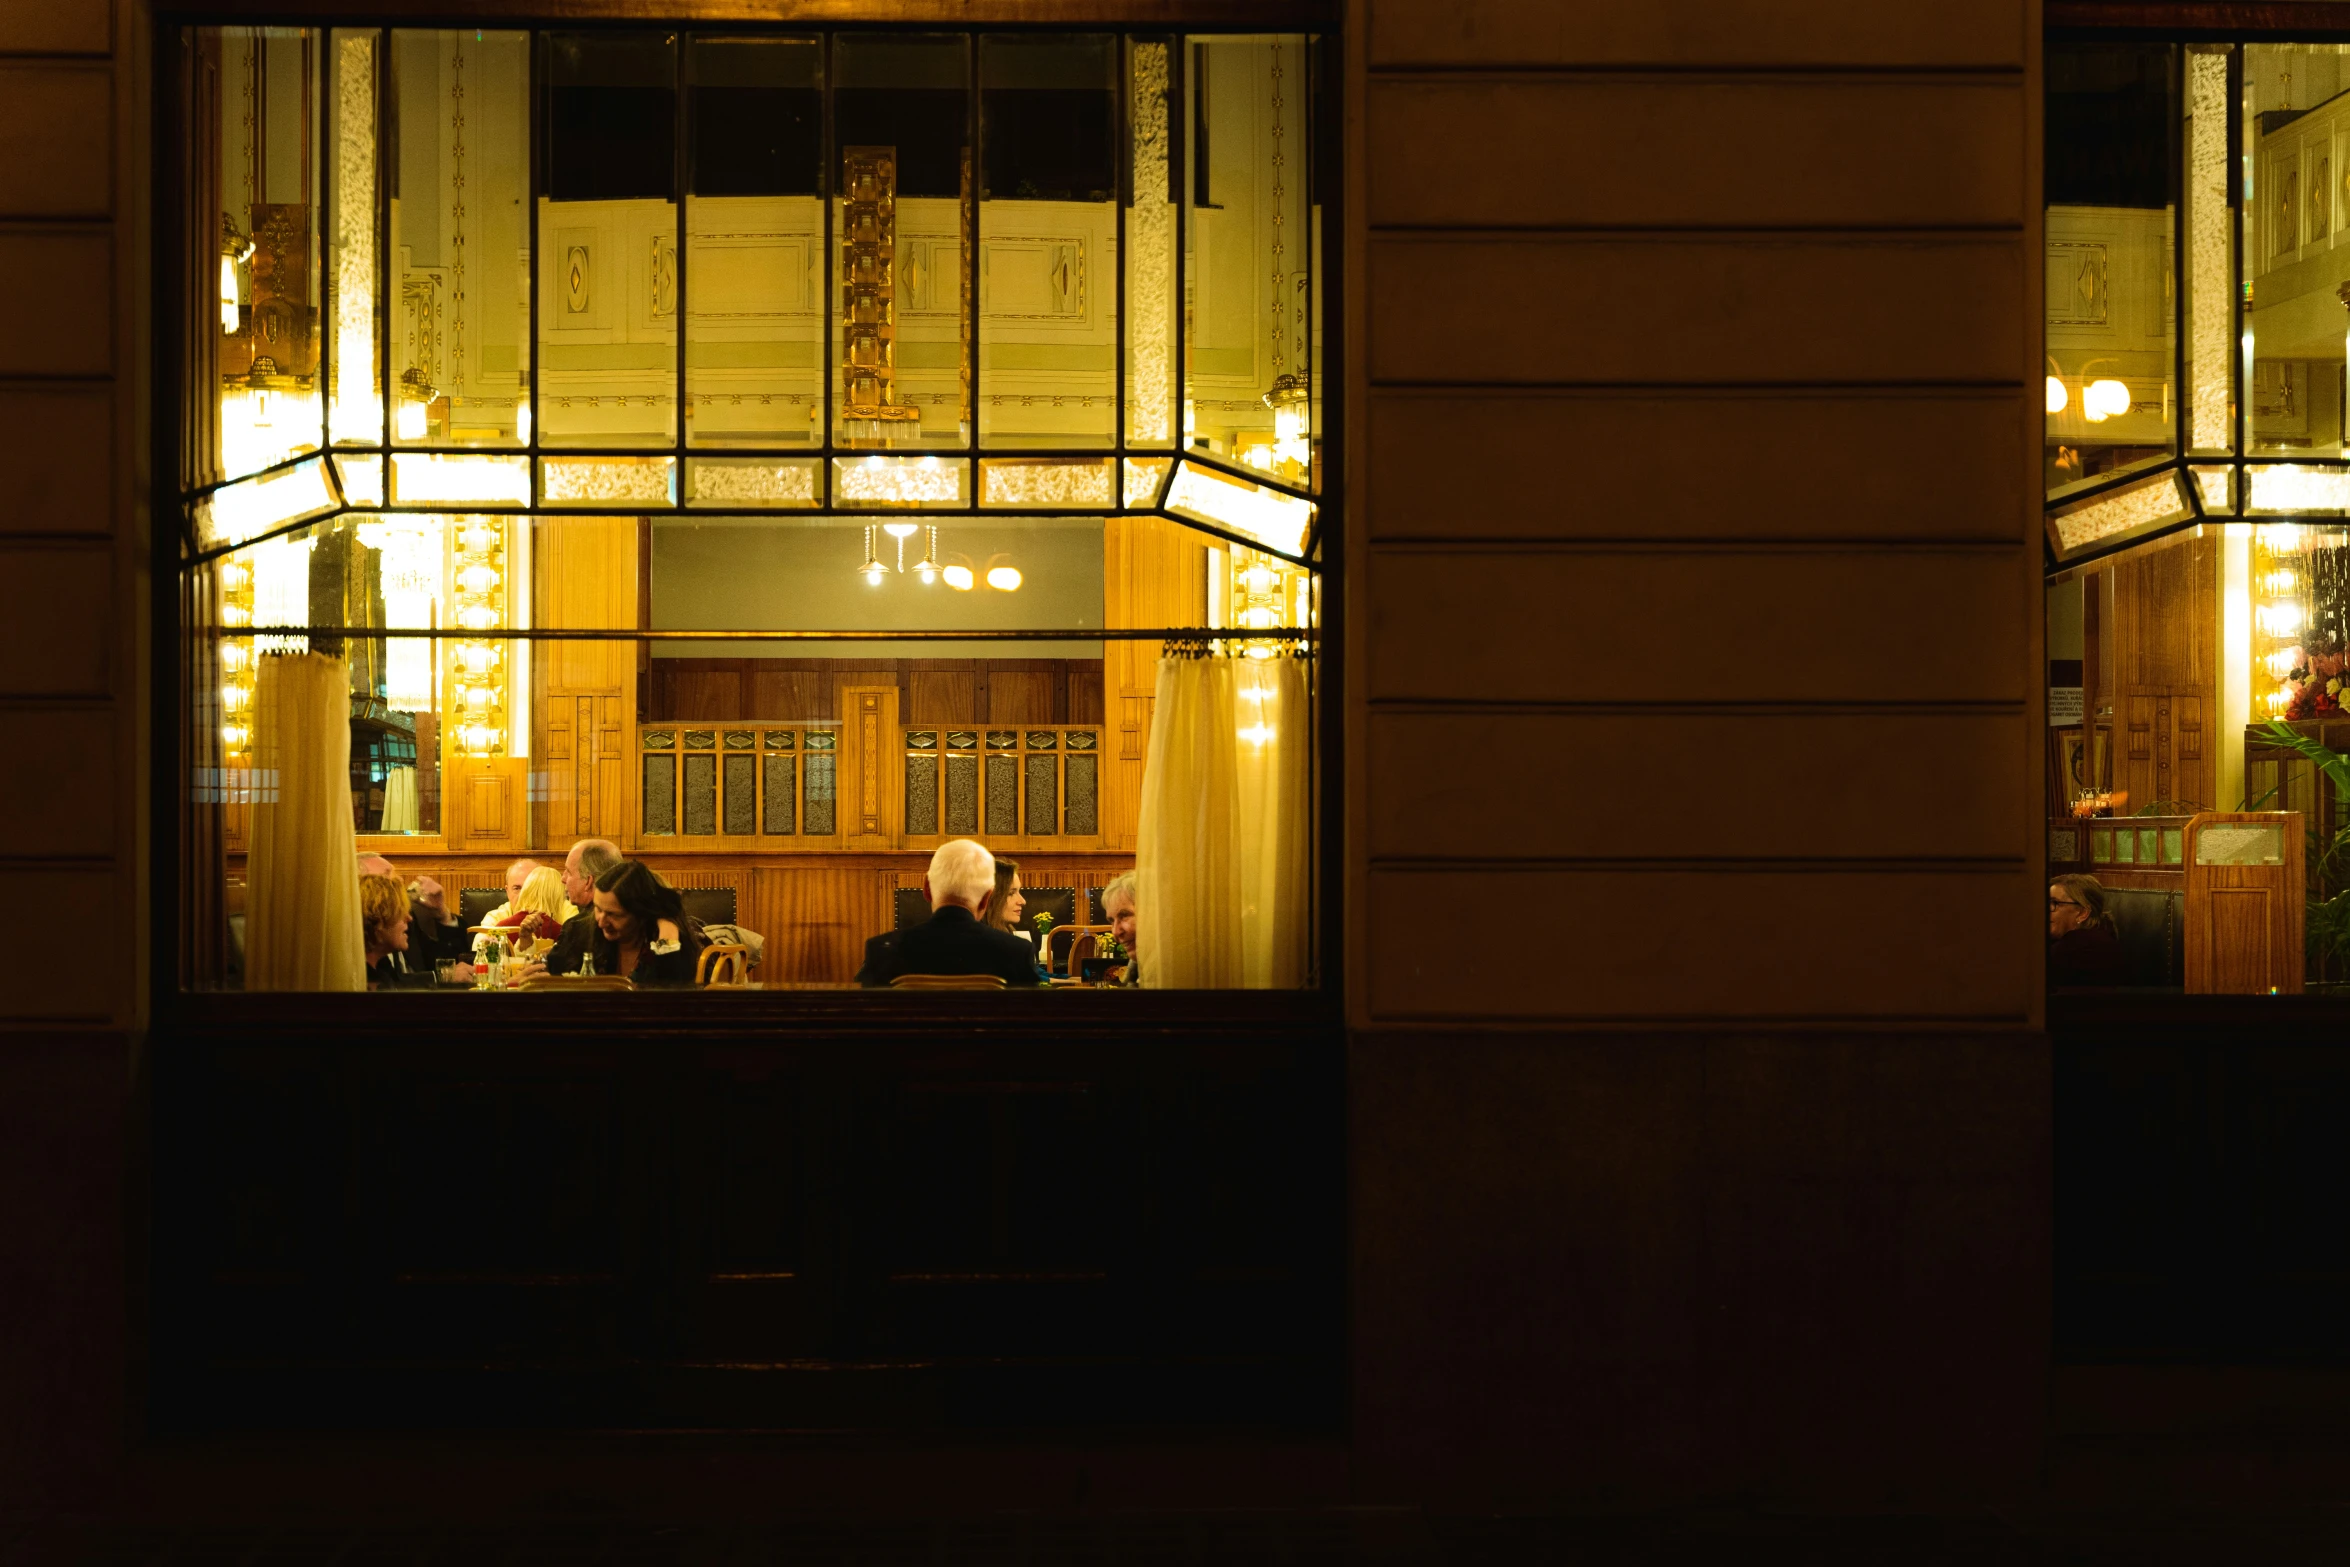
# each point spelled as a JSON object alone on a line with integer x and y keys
{"x": 517, "y": 874}
{"x": 383, "y": 920}
{"x": 1003, "y": 912}
{"x": 433, "y": 932}
{"x": 1119, "y": 902}
{"x": 589, "y": 858}
{"x": 956, "y": 938}
{"x": 642, "y": 929}
{"x": 540, "y": 909}
{"x": 2083, "y": 947}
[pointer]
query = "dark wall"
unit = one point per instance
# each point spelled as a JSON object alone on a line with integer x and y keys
{"x": 1721, "y": 1167}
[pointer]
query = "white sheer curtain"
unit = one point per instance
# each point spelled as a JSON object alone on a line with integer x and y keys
{"x": 1224, "y": 859}
{"x": 301, "y": 876}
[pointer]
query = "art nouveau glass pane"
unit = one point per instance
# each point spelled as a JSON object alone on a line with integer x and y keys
{"x": 2135, "y": 508}
{"x": 252, "y": 507}
{"x": 1043, "y": 814}
{"x": 781, "y": 793}
{"x": 755, "y": 284}
{"x": 962, "y": 806}
{"x": 266, "y": 364}
{"x": 1083, "y": 817}
{"x": 1277, "y": 521}
{"x": 1248, "y": 252}
{"x": 904, "y": 192}
{"x": 435, "y": 479}
{"x": 2211, "y": 256}
{"x": 660, "y": 795}
{"x": 1047, "y": 481}
{"x": 753, "y": 483}
{"x": 1144, "y": 475}
{"x": 820, "y": 814}
{"x": 1003, "y": 795}
{"x": 1048, "y": 240}
{"x": 355, "y": 409}
{"x": 2296, "y": 254}
{"x": 2112, "y": 193}
{"x": 460, "y": 300}
{"x": 813, "y": 574}
{"x": 900, "y": 482}
{"x": 742, "y": 795}
{"x": 608, "y": 481}
{"x": 607, "y": 270}
{"x": 922, "y": 795}
{"x": 1153, "y": 324}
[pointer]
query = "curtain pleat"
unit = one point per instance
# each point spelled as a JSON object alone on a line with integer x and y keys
{"x": 301, "y": 878}
{"x": 1223, "y": 855}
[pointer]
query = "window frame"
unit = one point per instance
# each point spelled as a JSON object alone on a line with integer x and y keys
{"x": 179, "y": 558}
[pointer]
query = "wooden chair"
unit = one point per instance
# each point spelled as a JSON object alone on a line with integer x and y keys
{"x": 578, "y": 982}
{"x": 947, "y": 982}
{"x": 1061, "y": 946}
{"x": 724, "y": 963}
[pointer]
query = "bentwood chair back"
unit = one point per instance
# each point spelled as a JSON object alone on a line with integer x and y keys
{"x": 724, "y": 963}
{"x": 947, "y": 982}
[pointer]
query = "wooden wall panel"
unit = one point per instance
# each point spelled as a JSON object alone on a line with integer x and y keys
{"x": 1706, "y": 945}
{"x": 1023, "y": 696}
{"x": 55, "y": 641}
{"x": 33, "y": 28}
{"x": 1660, "y": 308}
{"x": 703, "y": 696}
{"x": 1736, "y": 33}
{"x": 584, "y": 693}
{"x": 1787, "y": 464}
{"x": 56, "y": 462}
{"x": 71, "y": 273}
{"x": 1674, "y": 785}
{"x": 1605, "y": 152}
{"x": 58, "y": 776}
{"x": 54, "y": 167}
{"x": 1698, "y": 629}
{"x": 942, "y": 696}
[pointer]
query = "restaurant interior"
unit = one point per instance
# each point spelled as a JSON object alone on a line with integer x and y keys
{"x": 776, "y": 455}
{"x": 2198, "y": 472}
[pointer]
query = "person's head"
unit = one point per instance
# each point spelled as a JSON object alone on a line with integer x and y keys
{"x": 631, "y": 902}
{"x": 516, "y": 875}
{"x": 961, "y": 873}
{"x": 589, "y": 858}
{"x": 2075, "y": 901}
{"x": 1003, "y": 909}
{"x": 541, "y": 892}
{"x": 1118, "y": 903}
{"x": 383, "y": 915}
{"x": 375, "y": 865}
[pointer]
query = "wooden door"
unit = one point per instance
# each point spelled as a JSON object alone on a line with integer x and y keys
{"x": 2164, "y": 676}
{"x": 871, "y": 815}
{"x": 2244, "y": 903}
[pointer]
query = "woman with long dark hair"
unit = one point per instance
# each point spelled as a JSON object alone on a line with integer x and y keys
{"x": 642, "y": 930}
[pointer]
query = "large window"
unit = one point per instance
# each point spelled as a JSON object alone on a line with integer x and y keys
{"x": 2198, "y": 524}
{"x": 776, "y": 454}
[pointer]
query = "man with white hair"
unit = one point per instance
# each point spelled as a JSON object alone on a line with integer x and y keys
{"x": 953, "y": 940}
{"x": 1119, "y": 902}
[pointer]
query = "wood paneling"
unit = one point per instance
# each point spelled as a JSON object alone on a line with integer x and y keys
{"x": 56, "y": 459}
{"x": 1606, "y": 465}
{"x": 57, "y": 782}
{"x": 1744, "y": 33}
{"x": 70, "y": 273}
{"x": 932, "y": 691}
{"x": 55, "y": 168}
{"x": 54, "y": 641}
{"x": 1024, "y": 696}
{"x": 584, "y": 572}
{"x": 1696, "y": 309}
{"x": 1713, "y": 627}
{"x": 1696, "y": 154}
{"x": 1706, "y": 784}
{"x": 942, "y": 696}
{"x": 1704, "y": 945}
{"x": 35, "y": 27}
{"x": 86, "y": 981}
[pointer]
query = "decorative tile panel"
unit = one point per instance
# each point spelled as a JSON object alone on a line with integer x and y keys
{"x": 820, "y": 805}
{"x": 782, "y": 740}
{"x": 823, "y": 740}
{"x": 1043, "y": 740}
{"x": 781, "y": 786}
{"x": 1044, "y": 795}
{"x": 1003, "y": 796}
{"x": 660, "y": 739}
{"x": 741, "y": 739}
{"x": 962, "y": 795}
{"x": 1003, "y": 739}
{"x": 922, "y": 795}
{"x": 660, "y": 810}
{"x": 742, "y": 794}
{"x": 962, "y": 739}
{"x": 1082, "y": 817}
{"x": 1083, "y": 740}
{"x": 701, "y": 739}
{"x": 921, "y": 739}
{"x": 701, "y": 795}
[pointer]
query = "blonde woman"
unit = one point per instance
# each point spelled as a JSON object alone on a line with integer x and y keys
{"x": 383, "y": 920}
{"x": 539, "y": 908}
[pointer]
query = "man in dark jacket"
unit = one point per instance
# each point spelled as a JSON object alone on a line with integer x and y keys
{"x": 952, "y": 940}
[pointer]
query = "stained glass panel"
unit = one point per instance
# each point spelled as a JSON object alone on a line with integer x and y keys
{"x": 781, "y": 786}
{"x": 922, "y": 795}
{"x": 1082, "y": 819}
{"x": 1003, "y": 795}
{"x": 962, "y": 795}
{"x": 742, "y": 795}
{"x": 820, "y": 780}
{"x": 660, "y": 807}
{"x": 701, "y": 795}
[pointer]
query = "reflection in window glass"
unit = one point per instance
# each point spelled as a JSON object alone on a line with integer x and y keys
{"x": 1048, "y": 239}
{"x": 2296, "y": 122}
{"x": 1248, "y": 254}
{"x": 460, "y": 304}
{"x": 608, "y": 289}
{"x": 755, "y": 232}
{"x": 263, "y": 111}
{"x": 901, "y": 221}
{"x": 2112, "y": 179}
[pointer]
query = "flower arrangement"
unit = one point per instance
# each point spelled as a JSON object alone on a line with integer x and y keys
{"x": 2318, "y": 690}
